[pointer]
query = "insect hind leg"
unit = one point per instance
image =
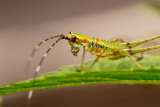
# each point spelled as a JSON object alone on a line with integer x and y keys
{"x": 136, "y": 43}
{"x": 127, "y": 54}
{"x": 129, "y": 46}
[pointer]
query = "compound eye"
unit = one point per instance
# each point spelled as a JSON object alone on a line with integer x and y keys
{"x": 73, "y": 38}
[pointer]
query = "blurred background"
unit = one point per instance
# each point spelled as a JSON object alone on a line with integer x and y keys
{"x": 23, "y": 23}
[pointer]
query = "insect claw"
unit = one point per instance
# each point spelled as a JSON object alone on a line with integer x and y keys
{"x": 138, "y": 58}
{"x": 141, "y": 57}
{"x": 77, "y": 69}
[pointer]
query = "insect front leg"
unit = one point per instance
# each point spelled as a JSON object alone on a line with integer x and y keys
{"x": 82, "y": 61}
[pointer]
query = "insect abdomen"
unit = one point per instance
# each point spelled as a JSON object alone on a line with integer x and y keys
{"x": 96, "y": 46}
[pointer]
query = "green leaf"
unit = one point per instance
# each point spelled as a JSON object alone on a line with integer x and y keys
{"x": 122, "y": 71}
{"x": 154, "y": 5}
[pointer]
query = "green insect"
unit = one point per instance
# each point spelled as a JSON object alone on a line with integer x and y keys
{"x": 101, "y": 48}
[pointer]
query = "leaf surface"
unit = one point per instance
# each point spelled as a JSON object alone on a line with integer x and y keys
{"x": 122, "y": 71}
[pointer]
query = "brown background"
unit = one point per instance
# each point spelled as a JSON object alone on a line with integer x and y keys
{"x": 23, "y": 23}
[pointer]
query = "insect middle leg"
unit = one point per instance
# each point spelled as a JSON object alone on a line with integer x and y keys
{"x": 118, "y": 40}
{"x": 95, "y": 60}
{"x": 82, "y": 61}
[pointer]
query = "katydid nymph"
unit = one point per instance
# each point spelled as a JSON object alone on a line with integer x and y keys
{"x": 102, "y": 49}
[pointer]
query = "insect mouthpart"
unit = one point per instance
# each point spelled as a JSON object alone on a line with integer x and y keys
{"x": 74, "y": 48}
{"x": 75, "y": 53}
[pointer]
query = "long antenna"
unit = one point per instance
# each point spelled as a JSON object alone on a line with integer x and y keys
{"x": 28, "y": 62}
{"x": 37, "y": 70}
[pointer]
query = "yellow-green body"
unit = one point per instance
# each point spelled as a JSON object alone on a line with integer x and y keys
{"x": 109, "y": 49}
{"x": 98, "y": 47}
